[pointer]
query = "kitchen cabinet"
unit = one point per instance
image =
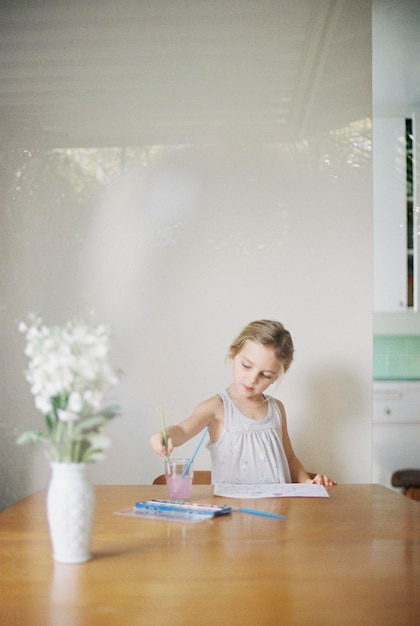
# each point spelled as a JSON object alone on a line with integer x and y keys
{"x": 396, "y": 428}
{"x": 390, "y": 214}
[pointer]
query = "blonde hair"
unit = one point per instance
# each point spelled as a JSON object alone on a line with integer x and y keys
{"x": 268, "y": 333}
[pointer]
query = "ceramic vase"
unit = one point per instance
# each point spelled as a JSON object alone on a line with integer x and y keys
{"x": 70, "y": 511}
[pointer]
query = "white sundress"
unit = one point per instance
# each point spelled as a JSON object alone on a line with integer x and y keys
{"x": 249, "y": 451}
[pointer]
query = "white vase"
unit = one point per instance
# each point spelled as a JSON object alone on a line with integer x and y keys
{"x": 70, "y": 510}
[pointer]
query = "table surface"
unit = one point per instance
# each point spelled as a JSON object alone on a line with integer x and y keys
{"x": 352, "y": 558}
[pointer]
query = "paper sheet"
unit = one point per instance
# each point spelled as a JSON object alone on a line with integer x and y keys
{"x": 280, "y": 490}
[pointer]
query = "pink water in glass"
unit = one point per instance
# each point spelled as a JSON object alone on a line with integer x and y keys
{"x": 179, "y": 488}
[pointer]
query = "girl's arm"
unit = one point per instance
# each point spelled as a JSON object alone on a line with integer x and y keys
{"x": 297, "y": 471}
{"x": 207, "y": 413}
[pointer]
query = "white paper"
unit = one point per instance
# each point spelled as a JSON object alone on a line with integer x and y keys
{"x": 272, "y": 490}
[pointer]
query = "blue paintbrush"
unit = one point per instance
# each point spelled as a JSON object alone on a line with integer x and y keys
{"x": 197, "y": 447}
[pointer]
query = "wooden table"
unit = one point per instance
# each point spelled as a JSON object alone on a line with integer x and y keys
{"x": 353, "y": 558}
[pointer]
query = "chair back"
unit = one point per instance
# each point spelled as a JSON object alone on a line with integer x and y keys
{"x": 201, "y": 477}
{"x": 409, "y": 480}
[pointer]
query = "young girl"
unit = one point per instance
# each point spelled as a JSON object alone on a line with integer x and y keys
{"x": 249, "y": 442}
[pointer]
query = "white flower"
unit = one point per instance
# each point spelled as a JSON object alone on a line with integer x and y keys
{"x": 75, "y": 402}
{"x": 70, "y": 376}
{"x": 67, "y": 416}
{"x": 93, "y": 399}
{"x": 42, "y": 404}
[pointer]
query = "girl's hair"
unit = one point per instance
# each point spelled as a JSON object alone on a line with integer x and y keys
{"x": 268, "y": 333}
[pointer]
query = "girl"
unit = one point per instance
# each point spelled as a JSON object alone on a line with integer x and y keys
{"x": 249, "y": 442}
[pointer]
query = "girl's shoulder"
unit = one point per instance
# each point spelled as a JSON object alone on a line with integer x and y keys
{"x": 211, "y": 406}
{"x": 279, "y": 404}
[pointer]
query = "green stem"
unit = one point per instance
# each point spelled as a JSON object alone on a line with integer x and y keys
{"x": 77, "y": 447}
{"x": 70, "y": 442}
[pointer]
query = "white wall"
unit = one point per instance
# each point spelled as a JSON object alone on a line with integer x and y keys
{"x": 177, "y": 262}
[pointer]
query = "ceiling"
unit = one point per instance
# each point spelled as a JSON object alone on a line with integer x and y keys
{"x": 131, "y": 72}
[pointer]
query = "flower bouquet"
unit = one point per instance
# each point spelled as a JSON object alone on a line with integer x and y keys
{"x": 70, "y": 377}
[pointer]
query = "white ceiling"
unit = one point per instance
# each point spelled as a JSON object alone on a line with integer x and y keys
{"x": 132, "y": 71}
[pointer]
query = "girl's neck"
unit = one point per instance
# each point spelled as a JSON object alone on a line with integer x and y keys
{"x": 251, "y": 403}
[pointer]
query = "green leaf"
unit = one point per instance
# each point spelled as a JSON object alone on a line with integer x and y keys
{"x": 51, "y": 421}
{"x": 89, "y": 423}
{"x": 97, "y": 440}
{"x": 31, "y": 436}
{"x": 60, "y": 401}
{"x": 93, "y": 455}
{"x": 111, "y": 411}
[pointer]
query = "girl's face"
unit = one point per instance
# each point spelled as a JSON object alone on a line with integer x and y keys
{"x": 255, "y": 368}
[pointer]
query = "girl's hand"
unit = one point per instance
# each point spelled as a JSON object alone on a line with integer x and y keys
{"x": 157, "y": 444}
{"x": 322, "y": 479}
